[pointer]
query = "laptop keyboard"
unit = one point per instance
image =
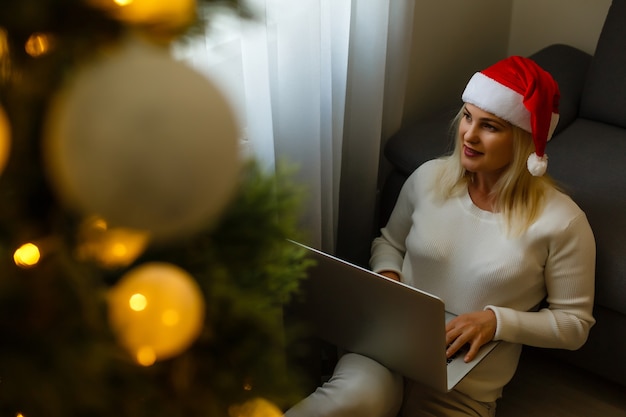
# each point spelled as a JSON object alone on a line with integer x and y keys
{"x": 463, "y": 350}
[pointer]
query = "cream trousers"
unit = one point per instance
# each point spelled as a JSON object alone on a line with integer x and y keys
{"x": 361, "y": 387}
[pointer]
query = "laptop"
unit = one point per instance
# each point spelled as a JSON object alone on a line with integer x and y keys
{"x": 397, "y": 325}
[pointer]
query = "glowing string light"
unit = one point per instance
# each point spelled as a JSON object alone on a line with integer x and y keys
{"x": 109, "y": 247}
{"x": 5, "y": 133}
{"x": 4, "y": 43}
{"x": 138, "y": 302}
{"x": 173, "y": 14}
{"x": 38, "y": 44}
{"x": 5, "y": 63}
{"x": 27, "y": 255}
{"x": 146, "y": 356}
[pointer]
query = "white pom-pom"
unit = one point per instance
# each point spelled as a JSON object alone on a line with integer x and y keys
{"x": 537, "y": 165}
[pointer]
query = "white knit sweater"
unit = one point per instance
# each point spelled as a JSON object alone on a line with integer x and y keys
{"x": 460, "y": 253}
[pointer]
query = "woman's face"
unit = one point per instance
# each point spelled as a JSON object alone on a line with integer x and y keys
{"x": 487, "y": 141}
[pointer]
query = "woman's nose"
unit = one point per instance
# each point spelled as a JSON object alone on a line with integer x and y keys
{"x": 471, "y": 134}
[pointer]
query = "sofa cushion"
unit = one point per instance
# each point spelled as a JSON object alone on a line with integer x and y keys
{"x": 599, "y": 354}
{"x": 422, "y": 141}
{"x": 604, "y": 94}
{"x": 592, "y": 172}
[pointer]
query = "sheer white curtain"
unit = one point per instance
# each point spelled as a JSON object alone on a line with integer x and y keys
{"x": 318, "y": 83}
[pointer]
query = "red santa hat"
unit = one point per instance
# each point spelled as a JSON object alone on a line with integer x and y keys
{"x": 519, "y": 91}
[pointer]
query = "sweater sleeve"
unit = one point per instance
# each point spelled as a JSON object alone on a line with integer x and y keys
{"x": 569, "y": 276}
{"x": 389, "y": 248}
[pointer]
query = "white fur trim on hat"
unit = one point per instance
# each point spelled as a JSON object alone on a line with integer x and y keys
{"x": 493, "y": 97}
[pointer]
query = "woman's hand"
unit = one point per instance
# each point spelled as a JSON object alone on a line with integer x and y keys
{"x": 475, "y": 329}
{"x": 390, "y": 274}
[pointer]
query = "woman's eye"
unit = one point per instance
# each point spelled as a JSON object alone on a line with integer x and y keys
{"x": 489, "y": 127}
{"x": 467, "y": 116}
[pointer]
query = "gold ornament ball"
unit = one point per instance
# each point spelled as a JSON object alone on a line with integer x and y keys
{"x": 156, "y": 311}
{"x": 256, "y": 407}
{"x": 143, "y": 141}
{"x": 169, "y": 13}
{"x": 5, "y": 139}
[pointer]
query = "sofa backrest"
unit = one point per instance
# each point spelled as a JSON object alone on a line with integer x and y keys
{"x": 604, "y": 93}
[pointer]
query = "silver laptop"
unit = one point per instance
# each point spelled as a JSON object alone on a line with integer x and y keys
{"x": 399, "y": 326}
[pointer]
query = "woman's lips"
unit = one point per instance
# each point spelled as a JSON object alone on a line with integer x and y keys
{"x": 469, "y": 152}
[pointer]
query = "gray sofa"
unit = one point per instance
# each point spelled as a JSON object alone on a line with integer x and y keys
{"x": 587, "y": 158}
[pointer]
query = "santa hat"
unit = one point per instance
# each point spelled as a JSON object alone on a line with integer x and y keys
{"x": 519, "y": 91}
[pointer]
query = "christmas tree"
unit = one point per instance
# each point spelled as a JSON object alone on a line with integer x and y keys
{"x": 143, "y": 263}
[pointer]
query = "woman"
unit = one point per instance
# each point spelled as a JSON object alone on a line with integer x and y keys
{"x": 487, "y": 232}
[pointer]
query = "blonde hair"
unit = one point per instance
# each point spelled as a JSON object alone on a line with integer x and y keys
{"x": 518, "y": 195}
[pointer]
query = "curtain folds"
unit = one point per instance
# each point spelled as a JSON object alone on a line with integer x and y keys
{"x": 318, "y": 84}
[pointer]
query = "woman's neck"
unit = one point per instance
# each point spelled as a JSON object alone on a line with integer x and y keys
{"x": 480, "y": 189}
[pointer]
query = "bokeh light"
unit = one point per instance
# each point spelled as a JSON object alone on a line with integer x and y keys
{"x": 5, "y": 138}
{"x": 38, "y": 44}
{"x": 166, "y": 13}
{"x": 110, "y": 247}
{"x": 138, "y": 302}
{"x": 5, "y": 59}
{"x": 256, "y": 407}
{"x": 146, "y": 356}
{"x": 27, "y": 255}
{"x": 157, "y": 311}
